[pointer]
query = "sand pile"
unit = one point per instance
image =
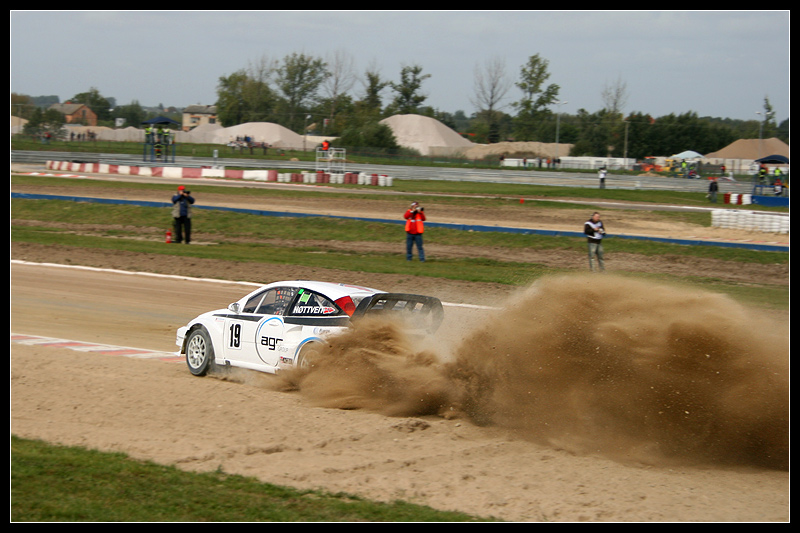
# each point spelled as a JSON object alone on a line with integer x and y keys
{"x": 273, "y": 134}
{"x": 528, "y": 150}
{"x": 751, "y": 149}
{"x": 426, "y": 135}
{"x": 430, "y": 137}
{"x": 203, "y": 134}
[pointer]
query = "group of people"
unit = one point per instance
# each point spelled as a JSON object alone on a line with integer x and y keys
{"x": 414, "y": 216}
{"x": 159, "y": 135}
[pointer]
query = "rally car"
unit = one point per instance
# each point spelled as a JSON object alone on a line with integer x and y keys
{"x": 278, "y": 325}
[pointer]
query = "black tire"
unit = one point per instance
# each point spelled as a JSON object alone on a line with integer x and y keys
{"x": 305, "y": 360}
{"x": 199, "y": 352}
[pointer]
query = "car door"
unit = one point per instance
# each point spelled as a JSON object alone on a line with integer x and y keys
{"x": 253, "y": 337}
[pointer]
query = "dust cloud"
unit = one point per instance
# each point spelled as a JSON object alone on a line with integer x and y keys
{"x": 631, "y": 370}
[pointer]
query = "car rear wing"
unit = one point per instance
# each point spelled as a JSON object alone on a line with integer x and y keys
{"x": 422, "y": 312}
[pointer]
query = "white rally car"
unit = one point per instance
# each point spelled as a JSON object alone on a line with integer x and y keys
{"x": 277, "y": 325}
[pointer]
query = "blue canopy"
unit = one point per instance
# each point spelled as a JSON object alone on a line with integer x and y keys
{"x": 779, "y": 159}
{"x": 161, "y": 120}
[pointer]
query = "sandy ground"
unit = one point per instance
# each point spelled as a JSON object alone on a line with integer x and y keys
{"x": 583, "y": 401}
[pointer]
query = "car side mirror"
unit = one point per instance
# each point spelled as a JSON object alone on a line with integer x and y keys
{"x": 234, "y": 307}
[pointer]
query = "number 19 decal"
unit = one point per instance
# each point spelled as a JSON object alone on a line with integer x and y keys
{"x": 235, "y": 335}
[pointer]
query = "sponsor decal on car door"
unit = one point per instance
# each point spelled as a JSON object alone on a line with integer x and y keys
{"x": 269, "y": 339}
{"x": 254, "y": 339}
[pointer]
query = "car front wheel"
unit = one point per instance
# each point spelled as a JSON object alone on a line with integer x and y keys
{"x": 199, "y": 352}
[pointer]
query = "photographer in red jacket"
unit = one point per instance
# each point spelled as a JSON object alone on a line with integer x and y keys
{"x": 415, "y": 218}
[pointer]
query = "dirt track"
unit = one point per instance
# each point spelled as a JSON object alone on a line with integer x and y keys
{"x": 155, "y": 410}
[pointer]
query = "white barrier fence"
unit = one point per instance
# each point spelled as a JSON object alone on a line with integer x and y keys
{"x": 749, "y": 221}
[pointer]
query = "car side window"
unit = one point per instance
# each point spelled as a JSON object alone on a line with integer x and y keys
{"x": 276, "y": 300}
{"x": 252, "y": 303}
{"x": 310, "y": 303}
{"x": 270, "y": 302}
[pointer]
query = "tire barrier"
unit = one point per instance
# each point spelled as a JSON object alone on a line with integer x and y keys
{"x": 354, "y": 178}
{"x": 749, "y": 221}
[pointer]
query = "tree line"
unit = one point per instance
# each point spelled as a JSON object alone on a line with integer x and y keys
{"x": 326, "y": 96}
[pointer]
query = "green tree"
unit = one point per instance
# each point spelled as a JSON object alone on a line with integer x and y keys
{"x": 231, "y": 106}
{"x": 639, "y": 135}
{"x": 408, "y": 97}
{"x": 21, "y": 105}
{"x": 536, "y": 97}
{"x": 373, "y": 86}
{"x": 369, "y": 135}
{"x": 244, "y": 97}
{"x": 42, "y": 121}
{"x": 298, "y": 80}
{"x": 133, "y": 113}
{"x": 335, "y": 114}
{"x": 594, "y": 138}
{"x": 96, "y": 102}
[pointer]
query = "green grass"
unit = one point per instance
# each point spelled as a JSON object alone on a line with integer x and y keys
{"x": 69, "y": 484}
{"x": 228, "y": 224}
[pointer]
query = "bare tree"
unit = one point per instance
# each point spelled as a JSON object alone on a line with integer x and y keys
{"x": 341, "y": 77}
{"x": 615, "y": 96}
{"x": 491, "y": 84}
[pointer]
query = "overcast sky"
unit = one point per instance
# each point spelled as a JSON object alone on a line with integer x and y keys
{"x": 714, "y": 63}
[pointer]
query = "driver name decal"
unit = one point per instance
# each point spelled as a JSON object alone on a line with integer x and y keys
{"x": 313, "y": 310}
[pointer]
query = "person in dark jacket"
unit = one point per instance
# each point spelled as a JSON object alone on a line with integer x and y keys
{"x": 713, "y": 189}
{"x": 182, "y": 215}
{"x": 595, "y": 231}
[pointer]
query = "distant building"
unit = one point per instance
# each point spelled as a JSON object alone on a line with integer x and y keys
{"x": 76, "y": 113}
{"x": 197, "y": 115}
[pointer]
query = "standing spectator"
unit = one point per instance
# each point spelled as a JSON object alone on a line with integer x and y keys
{"x": 713, "y": 189}
{"x": 182, "y": 215}
{"x": 602, "y": 175}
{"x": 415, "y": 218}
{"x": 595, "y": 231}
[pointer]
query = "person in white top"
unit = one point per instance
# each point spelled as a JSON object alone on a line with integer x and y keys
{"x": 595, "y": 231}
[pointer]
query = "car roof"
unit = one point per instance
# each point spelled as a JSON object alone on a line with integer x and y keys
{"x": 330, "y": 289}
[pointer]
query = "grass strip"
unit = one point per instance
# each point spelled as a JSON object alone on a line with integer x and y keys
{"x": 52, "y": 483}
{"x": 223, "y": 224}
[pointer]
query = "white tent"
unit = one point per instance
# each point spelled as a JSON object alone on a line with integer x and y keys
{"x": 687, "y": 154}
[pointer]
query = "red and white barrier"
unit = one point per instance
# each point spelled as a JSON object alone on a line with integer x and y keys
{"x": 254, "y": 175}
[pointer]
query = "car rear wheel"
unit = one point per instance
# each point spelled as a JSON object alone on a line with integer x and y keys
{"x": 199, "y": 352}
{"x": 308, "y": 355}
